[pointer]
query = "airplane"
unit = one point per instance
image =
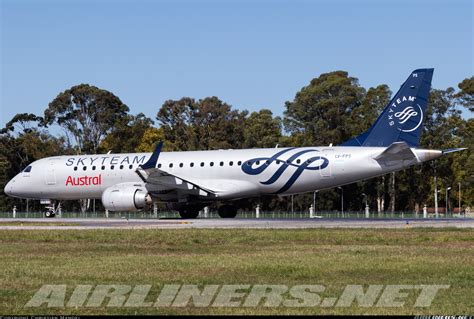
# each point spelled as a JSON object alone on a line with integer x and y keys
{"x": 189, "y": 181}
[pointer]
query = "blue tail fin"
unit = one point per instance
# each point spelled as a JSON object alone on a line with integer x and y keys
{"x": 402, "y": 118}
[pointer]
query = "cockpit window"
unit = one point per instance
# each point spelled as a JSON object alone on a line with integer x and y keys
{"x": 27, "y": 169}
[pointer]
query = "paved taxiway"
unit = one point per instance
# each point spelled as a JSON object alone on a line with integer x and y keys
{"x": 90, "y": 223}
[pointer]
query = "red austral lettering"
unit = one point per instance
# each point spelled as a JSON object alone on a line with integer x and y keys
{"x": 84, "y": 180}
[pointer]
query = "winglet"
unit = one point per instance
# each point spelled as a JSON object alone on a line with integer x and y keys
{"x": 151, "y": 163}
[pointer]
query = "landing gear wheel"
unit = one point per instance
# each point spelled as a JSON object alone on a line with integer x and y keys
{"x": 49, "y": 214}
{"x": 227, "y": 211}
{"x": 188, "y": 213}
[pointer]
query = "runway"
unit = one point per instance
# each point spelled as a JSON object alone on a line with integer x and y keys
{"x": 86, "y": 223}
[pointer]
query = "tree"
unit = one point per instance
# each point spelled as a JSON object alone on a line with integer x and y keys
{"x": 325, "y": 112}
{"x": 466, "y": 95}
{"x": 199, "y": 125}
{"x": 127, "y": 138}
{"x": 23, "y": 141}
{"x": 322, "y": 111}
{"x": 217, "y": 125}
{"x": 464, "y": 166}
{"x": 150, "y": 138}
{"x": 370, "y": 108}
{"x": 88, "y": 114}
{"x": 363, "y": 117}
{"x": 176, "y": 118}
{"x": 442, "y": 128}
{"x": 262, "y": 130}
{"x": 22, "y": 122}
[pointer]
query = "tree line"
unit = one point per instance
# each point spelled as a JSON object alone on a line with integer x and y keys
{"x": 329, "y": 110}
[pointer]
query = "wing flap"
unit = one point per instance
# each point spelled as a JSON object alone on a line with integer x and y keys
{"x": 160, "y": 181}
{"x": 156, "y": 178}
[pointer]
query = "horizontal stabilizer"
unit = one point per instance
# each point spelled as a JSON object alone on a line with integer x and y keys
{"x": 452, "y": 150}
{"x": 398, "y": 151}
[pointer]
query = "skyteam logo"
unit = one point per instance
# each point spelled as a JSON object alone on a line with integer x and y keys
{"x": 406, "y": 116}
{"x": 258, "y": 165}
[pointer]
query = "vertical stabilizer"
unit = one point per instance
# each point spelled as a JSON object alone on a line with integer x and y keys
{"x": 402, "y": 118}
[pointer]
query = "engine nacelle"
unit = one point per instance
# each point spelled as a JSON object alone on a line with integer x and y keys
{"x": 126, "y": 197}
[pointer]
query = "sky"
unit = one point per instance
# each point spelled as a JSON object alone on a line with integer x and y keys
{"x": 250, "y": 54}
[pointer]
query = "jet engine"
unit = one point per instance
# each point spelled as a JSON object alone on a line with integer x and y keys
{"x": 126, "y": 197}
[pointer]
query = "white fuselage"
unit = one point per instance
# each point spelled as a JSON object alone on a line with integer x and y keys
{"x": 271, "y": 171}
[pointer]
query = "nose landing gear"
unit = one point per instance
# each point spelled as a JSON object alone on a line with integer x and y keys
{"x": 49, "y": 213}
{"x": 52, "y": 210}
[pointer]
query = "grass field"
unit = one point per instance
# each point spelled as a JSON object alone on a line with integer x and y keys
{"x": 329, "y": 257}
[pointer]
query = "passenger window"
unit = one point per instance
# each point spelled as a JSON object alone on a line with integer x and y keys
{"x": 239, "y": 163}
{"x": 84, "y": 168}
{"x": 102, "y": 168}
{"x": 278, "y": 162}
{"x": 130, "y": 166}
{"x": 121, "y": 166}
{"x": 298, "y": 161}
{"x": 192, "y": 164}
{"x": 171, "y": 165}
{"x": 112, "y": 167}
{"x": 249, "y": 163}
{"x": 231, "y": 163}
{"x": 75, "y": 168}
{"x": 267, "y": 163}
{"x": 159, "y": 165}
{"x": 93, "y": 168}
{"x": 212, "y": 163}
{"x": 258, "y": 163}
{"x": 202, "y": 164}
{"x": 221, "y": 163}
{"x": 180, "y": 164}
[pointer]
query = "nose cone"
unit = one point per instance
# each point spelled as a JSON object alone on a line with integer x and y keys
{"x": 9, "y": 188}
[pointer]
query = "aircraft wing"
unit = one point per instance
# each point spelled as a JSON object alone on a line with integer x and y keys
{"x": 396, "y": 152}
{"x": 164, "y": 184}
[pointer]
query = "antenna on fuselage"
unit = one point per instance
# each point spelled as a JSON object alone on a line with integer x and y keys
{"x": 276, "y": 146}
{"x": 109, "y": 152}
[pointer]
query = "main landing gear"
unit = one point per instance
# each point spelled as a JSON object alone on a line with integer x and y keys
{"x": 227, "y": 211}
{"x": 189, "y": 213}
